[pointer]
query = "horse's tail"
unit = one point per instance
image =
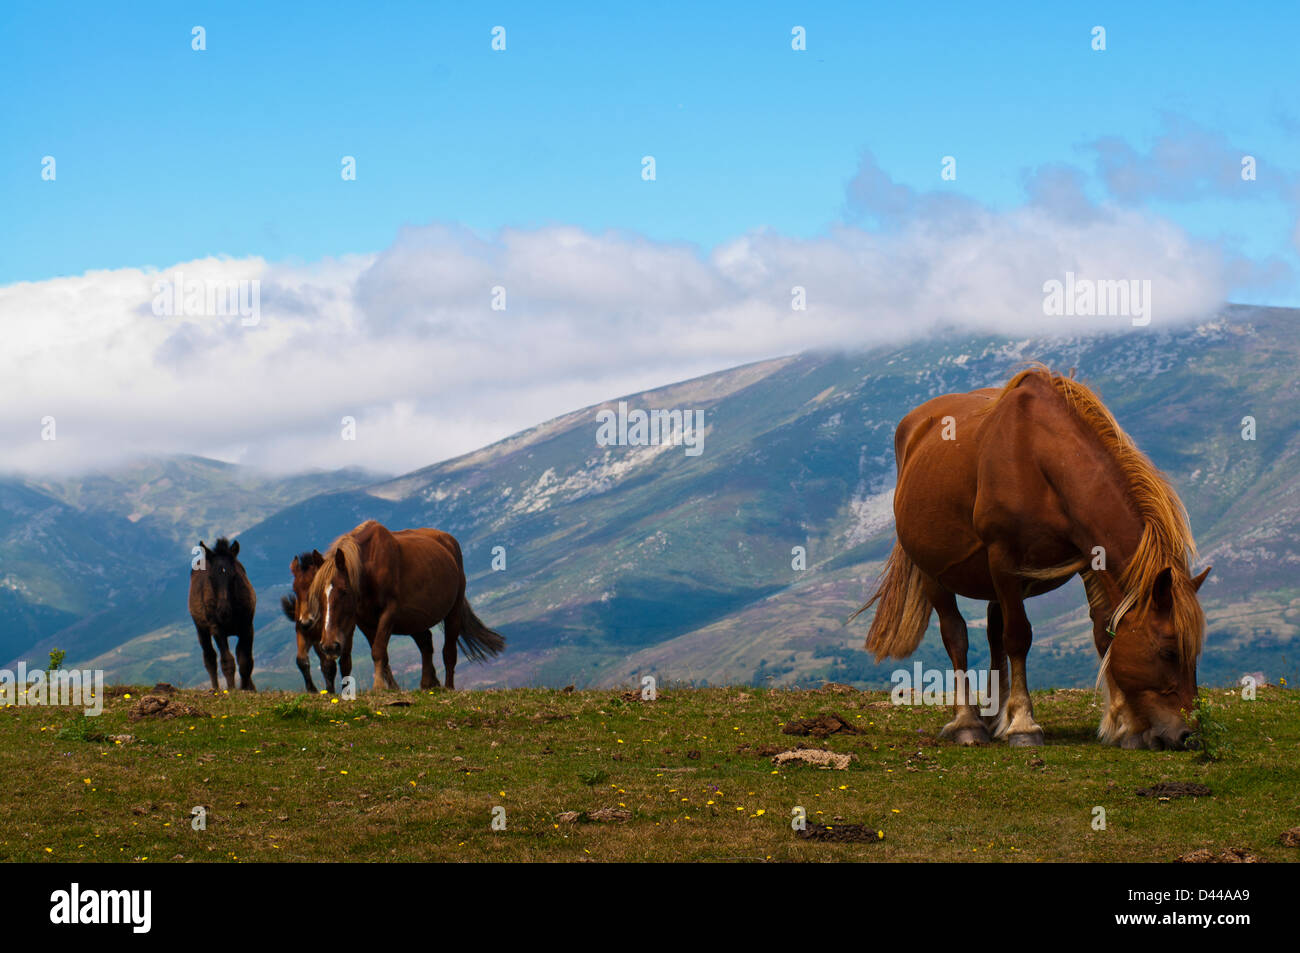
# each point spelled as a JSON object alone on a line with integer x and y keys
{"x": 478, "y": 641}
{"x": 904, "y": 613}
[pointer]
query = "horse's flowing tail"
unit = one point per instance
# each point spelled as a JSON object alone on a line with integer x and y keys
{"x": 904, "y": 612}
{"x": 478, "y": 641}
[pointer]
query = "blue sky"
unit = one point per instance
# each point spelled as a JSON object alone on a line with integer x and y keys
{"x": 165, "y": 154}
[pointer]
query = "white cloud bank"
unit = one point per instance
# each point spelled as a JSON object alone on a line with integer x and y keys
{"x": 407, "y": 343}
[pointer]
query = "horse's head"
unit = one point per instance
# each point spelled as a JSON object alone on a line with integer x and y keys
{"x": 295, "y": 605}
{"x": 338, "y": 602}
{"x": 1150, "y": 667}
{"x": 222, "y": 568}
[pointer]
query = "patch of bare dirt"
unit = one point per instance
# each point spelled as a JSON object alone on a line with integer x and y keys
{"x": 763, "y": 751}
{"x": 1229, "y": 855}
{"x": 837, "y": 688}
{"x": 161, "y": 706}
{"x": 1290, "y": 838}
{"x": 1168, "y": 790}
{"x": 818, "y": 757}
{"x": 603, "y": 815}
{"x": 821, "y": 726}
{"x": 163, "y": 688}
{"x": 844, "y": 833}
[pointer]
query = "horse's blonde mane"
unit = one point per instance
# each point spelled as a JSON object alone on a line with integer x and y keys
{"x": 1166, "y": 534}
{"x": 347, "y": 545}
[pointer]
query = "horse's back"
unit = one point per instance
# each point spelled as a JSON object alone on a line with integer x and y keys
{"x": 430, "y": 578}
{"x": 432, "y": 543}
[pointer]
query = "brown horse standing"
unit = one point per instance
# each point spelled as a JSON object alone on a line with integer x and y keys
{"x": 304, "y": 567}
{"x": 405, "y": 583}
{"x": 1006, "y": 493}
{"x": 222, "y": 604}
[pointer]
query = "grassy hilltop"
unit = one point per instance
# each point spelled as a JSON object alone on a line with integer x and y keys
{"x": 605, "y": 776}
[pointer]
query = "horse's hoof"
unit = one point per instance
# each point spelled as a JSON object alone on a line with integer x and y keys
{"x": 1026, "y": 739}
{"x": 965, "y": 735}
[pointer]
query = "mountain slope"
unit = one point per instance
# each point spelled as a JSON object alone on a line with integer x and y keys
{"x": 623, "y": 560}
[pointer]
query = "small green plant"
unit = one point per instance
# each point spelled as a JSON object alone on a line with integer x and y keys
{"x": 56, "y": 659}
{"x": 82, "y": 728}
{"x": 1209, "y": 731}
{"x": 592, "y": 778}
{"x": 296, "y": 709}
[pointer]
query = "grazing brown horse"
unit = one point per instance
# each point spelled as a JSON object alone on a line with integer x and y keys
{"x": 1006, "y": 493}
{"x": 222, "y": 604}
{"x": 405, "y": 583}
{"x": 304, "y": 567}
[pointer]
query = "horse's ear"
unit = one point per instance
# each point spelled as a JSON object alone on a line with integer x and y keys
{"x": 293, "y": 566}
{"x": 234, "y": 548}
{"x": 340, "y": 562}
{"x": 1162, "y": 592}
{"x": 1198, "y": 579}
{"x": 204, "y": 547}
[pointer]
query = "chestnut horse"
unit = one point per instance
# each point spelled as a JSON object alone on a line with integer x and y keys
{"x": 303, "y": 567}
{"x": 1006, "y": 493}
{"x": 405, "y": 583}
{"x": 222, "y": 603}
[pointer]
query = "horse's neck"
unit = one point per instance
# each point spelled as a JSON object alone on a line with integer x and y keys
{"x": 1104, "y": 515}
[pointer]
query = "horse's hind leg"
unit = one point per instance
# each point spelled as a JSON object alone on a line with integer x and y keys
{"x": 428, "y": 676}
{"x": 1017, "y": 723}
{"x": 227, "y": 662}
{"x": 244, "y": 655}
{"x": 209, "y": 657}
{"x": 451, "y": 635}
{"x": 966, "y": 728}
{"x": 999, "y": 678}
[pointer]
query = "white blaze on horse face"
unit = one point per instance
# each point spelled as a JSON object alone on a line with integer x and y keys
{"x": 328, "y": 590}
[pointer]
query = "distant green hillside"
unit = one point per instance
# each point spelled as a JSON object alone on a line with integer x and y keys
{"x": 77, "y": 553}
{"x": 628, "y": 560}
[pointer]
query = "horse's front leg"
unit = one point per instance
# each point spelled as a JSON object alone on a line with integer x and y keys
{"x": 379, "y": 652}
{"x": 1017, "y": 724}
{"x": 304, "y": 664}
{"x": 328, "y": 669}
{"x": 999, "y": 677}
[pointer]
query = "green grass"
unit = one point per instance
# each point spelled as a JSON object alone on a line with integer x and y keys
{"x": 415, "y": 776}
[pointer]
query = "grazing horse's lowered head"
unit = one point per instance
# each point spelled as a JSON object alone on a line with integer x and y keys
{"x": 1148, "y": 670}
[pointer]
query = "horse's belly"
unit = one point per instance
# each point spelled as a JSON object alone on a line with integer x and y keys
{"x": 413, "y": 620}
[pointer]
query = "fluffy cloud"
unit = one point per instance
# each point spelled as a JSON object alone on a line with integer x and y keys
{"x": 407, "y": 342}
